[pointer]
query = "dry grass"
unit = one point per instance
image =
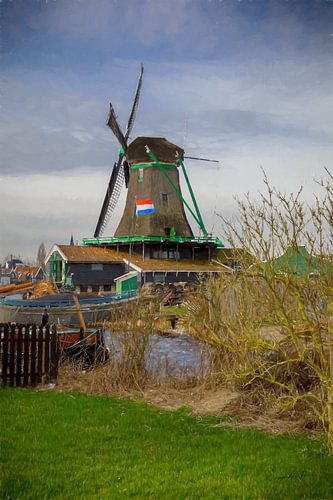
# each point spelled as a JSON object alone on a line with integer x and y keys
{"x": 202, "y": 398}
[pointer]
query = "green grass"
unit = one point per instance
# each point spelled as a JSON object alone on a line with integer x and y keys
{"x": 179, "y": 310}
{"x": 65, "y": 446}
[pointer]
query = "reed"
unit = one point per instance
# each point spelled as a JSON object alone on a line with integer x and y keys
{"x": 131, "y": 368}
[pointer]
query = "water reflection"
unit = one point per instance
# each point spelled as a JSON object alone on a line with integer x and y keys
{"x": 175, "y": 356}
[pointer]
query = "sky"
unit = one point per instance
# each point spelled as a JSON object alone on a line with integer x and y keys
{"x": 247, "y": 82}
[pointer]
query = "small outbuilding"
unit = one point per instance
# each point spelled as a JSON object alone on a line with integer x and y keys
{"x": 87, "y": 269}
{"x": 298, "y": 261}
{"x": 127, "y": 283}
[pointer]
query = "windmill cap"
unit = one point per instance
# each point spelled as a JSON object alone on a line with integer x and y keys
{"x": 165, "y": 151}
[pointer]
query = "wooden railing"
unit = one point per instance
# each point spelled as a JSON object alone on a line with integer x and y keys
{"x": 29, "y": 354}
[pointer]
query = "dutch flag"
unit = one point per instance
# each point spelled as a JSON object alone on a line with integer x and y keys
{"x": 144, "y": 207}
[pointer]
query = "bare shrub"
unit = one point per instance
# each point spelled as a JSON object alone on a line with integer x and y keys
{"x": 272, "y": 323}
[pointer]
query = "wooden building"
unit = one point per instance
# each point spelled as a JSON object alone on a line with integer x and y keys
{"x": 28, "y": 273}
{"x": 98, "y": 269}
{"x": 87, "y": 269}
{"x": 167, "y": 271}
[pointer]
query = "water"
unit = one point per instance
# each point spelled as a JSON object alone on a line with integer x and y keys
{"x": 175, "y": 356}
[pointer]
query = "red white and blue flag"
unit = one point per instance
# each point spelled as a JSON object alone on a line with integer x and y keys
{"x": 144, "y": 207}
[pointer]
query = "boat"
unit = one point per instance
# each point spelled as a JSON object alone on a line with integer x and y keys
{"x": 86, "y": 347}
{"x": 62, "y": 308}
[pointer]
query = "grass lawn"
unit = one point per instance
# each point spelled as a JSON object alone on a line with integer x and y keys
{"x": 64, "y": 446}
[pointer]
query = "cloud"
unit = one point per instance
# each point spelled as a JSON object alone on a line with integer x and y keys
{"x": 50, "y": 207}
{"x": 248, "y": 83}
{"x": 61, "y": 126}
{"x": 198, "y": 27}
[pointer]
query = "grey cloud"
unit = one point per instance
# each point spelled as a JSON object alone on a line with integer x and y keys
{"x": 231, "y": 28}
{"x": 61, "y": 126}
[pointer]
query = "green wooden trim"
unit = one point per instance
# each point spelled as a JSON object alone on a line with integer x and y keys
{"x": 193, "y": 197}
{"x": 152, "y": 164}
{"x": 160, "y": 166}
{"x": 152, "y": 239}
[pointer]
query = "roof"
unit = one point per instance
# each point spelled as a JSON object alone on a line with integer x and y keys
{"x": 22, "y": 269}
{"x": 227, "y": 254}
{"x": 297, "y": 260}
{"x": 12, "y": 263}
{"x": 89, "y": 254}
{"x": 164, "y": 150}
{"x": 126, "y": 276}
{"x": 172, "y": 265}
{"x": 100, "y": 254}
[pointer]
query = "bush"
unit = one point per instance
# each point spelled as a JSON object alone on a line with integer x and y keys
{"x": 272, "y": 323}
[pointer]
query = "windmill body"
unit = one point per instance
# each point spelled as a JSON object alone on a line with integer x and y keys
{"x": 148, "y": 182}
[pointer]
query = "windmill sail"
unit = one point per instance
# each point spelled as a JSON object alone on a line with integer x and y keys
{"x": 135, "y": 106}
{"x": 111, "y": 196}
{"x": 120, "y": 171}
{"x": 114, "y": 126}
{"x": 131, "y": 119}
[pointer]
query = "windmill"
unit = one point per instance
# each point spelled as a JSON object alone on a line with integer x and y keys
{"x": 149, "y": 167}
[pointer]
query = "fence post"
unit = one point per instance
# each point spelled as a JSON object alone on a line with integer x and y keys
{"x": 12, "y": 356}
{"x": 40, "y": 339}
{"x": 5, "y": 354}
{"x": 26, "y": 356}
{"x": 19, "y": 356}
{"x": 33, "y": 356}
{"x": 47, "y": 353}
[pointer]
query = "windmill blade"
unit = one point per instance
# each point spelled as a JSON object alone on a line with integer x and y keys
{"x": 120, "y": 171}
{"x": 201, "y": 159}
{"x": 114, "y": 126}
{"x": 111, "y": 196}
{"x": 135, "y": 105}
{"x": 126, "y": 172}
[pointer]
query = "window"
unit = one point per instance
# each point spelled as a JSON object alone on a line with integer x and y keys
{"x": 159, "y": 277}
{"x": 164, "y": 198}
{"x": 167, "y": 231}
{"x": 97, "y": 267}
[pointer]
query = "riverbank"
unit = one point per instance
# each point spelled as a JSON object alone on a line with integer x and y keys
{"x": 76, "y": 446}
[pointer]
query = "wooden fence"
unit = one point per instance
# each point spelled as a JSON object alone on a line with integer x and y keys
{"x": 29, "y": 354}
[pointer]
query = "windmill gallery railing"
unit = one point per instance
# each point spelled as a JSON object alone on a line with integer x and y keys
{"x": 29, "y": 354}
{"x": 158, "y": 239}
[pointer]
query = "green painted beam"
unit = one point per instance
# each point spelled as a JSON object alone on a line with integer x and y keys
{"x": 203, "y": 240}
{"x": 193, "y": 197}
{"x": 159, "y": 165}
{"x": 152, "y": 164}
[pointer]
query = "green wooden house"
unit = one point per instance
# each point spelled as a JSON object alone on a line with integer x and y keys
{"x": 298, "y": 261}
{"x": 127, "y": 282}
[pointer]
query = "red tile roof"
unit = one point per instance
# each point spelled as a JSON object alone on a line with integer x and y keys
{"x": 23, "y": 269}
